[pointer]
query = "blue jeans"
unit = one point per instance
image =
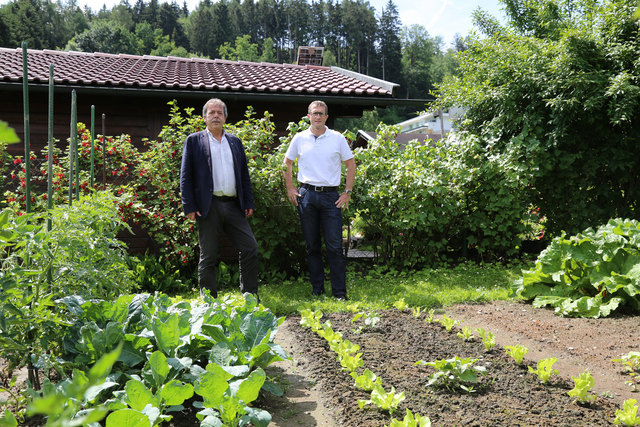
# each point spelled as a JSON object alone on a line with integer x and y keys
{"x": 319, "y": 217}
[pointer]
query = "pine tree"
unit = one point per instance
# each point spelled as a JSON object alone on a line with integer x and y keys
{"x": 390, "y": 45}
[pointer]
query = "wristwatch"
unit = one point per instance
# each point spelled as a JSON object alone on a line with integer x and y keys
{"x": 348, "y": 192}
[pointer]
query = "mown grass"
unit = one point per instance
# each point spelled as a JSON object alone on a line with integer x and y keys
{"x": 374, "y": 288}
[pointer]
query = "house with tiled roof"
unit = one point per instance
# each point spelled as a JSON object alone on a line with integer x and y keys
{"x": 133, "y": 91}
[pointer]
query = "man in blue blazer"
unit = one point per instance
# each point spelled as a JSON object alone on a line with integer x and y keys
{"x": 216, "y": 192}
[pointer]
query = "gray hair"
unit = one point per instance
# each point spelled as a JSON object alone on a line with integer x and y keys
{"x": 214, "y": 101}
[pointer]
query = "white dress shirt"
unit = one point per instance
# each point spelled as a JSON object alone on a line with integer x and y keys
{"x": 224, "y": 179}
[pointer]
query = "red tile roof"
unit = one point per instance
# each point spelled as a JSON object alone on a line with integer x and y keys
{"x": 152, "y": 72}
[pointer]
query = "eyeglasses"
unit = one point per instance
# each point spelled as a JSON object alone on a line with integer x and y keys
{"x": 317, "y": 114}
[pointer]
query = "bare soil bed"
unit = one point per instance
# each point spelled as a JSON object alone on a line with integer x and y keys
{"x": 319, "y": 393}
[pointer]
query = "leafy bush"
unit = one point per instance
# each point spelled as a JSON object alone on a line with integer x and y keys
{"x": 591, "y": 274}
{"x": 79, "y": 255}
{"x": 560, "y": 93}
{"x": 275, "y": 222}
{"x": 425, "y": 204}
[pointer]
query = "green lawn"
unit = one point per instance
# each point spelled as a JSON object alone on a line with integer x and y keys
{"x": 372, "y": 289}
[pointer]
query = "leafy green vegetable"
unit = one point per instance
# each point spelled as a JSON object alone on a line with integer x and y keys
{"x": 466, "y": 333}
{"x": 447, "y": 322}
{"x": 631, "y": 361}
{"x": 583, "y": 384}
{"x": 517, "y": 352}
{"x": 367, "y": 380}
{"x": 488, "y": 338}
{"x": 454, "y": 373}
{"x": 544, "y": 368}
{"x": 411, "y": 420}
{"x": 383, "y": 400}
{"x": 591, "y": 274}
{"x": 628, "y": 414}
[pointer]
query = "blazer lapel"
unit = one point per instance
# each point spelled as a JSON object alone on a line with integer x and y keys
{"x": 206, "y": 151}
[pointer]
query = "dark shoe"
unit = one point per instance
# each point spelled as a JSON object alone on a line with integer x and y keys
{"x": 342, "y": 298}
{"x": 317, "y": 293}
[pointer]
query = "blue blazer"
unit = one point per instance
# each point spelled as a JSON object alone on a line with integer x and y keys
{"x": 196, "y": 177}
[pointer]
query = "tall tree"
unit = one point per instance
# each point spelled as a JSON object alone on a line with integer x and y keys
{"x": 199, "y": 30}
{"x": 335, "y": 35}
{"x": 123, "y": 14}
{"x": 105, "y": 36}
{"x": 319, "y": 28}
{"x": 297, "y": 24}
{"x": 418, "y": 57}
{"x": 222, "y": 29}
{"x": 359, "y": 23}
{"x": 390, "y": 44}
{"x": 26, "y": 22}
{"x": 250, "y": 19}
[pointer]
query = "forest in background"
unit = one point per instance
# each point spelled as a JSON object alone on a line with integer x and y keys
{"x": 353, "y": 35}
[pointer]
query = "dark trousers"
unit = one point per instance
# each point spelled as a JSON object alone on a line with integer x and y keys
{"x": 319, "y": 217}
{"x": 226, "y": 216}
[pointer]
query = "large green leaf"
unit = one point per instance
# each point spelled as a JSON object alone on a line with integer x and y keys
{"x": 167, "y": 334}
{"x": 211, "y": 387}
{"x": 176, "y": 392}
{"x": 127, "y": 418}
{"x": 139, "y": 396}
{"x": 248, "y": 389}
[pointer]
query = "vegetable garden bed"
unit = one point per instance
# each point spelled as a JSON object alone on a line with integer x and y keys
{"x": 507, "y": 395}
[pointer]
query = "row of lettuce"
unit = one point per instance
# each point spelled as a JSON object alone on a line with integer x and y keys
{"x": 455, "y": 374}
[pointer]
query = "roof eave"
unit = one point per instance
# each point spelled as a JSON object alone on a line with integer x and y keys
{"x": 379, "y": 101}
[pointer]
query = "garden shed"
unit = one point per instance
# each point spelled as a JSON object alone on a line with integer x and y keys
{"x": 133, "y": 91}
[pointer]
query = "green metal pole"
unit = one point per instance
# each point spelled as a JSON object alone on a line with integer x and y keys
{"x": 93, "y": 135}
{"x": 104, "y": 153}
{"x": 50, "y": 159}
{"x": 72, "y": 137}
{"x": 75, "y": 147}
{"x": 50, "y": 152}
{"x": 27, "y": 143}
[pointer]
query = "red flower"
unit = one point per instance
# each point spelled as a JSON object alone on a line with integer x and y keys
{"x": 17, "y": 161}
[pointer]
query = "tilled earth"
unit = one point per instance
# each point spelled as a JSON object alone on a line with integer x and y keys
{"x": 507, "y": 395}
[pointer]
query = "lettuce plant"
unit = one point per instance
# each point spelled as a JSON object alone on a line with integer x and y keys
{"x": 371, "y": 319}
{"x": 366, "y": 381}
{"x": 488, "y": 338}
{"x": 466, "y": 333}
{"x": 631, "y": 361}
{"x": 387, "y": 401}
{"x": 583, "y": 384}
{"x": 544, "y": 369}
{"x": 454, "y": 373}
{"x": 411, "y": 420}
{"x": 447, "y": 322}
{"x": 628, "y": 414}
{"x": 517, "y": 352}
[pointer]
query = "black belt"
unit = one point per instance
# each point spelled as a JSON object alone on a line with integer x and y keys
{"x": 225, "y": 198}
{"x": 318, "y": 189}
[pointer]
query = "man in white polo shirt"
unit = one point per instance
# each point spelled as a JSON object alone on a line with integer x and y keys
{"x": 320, "y": 152}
